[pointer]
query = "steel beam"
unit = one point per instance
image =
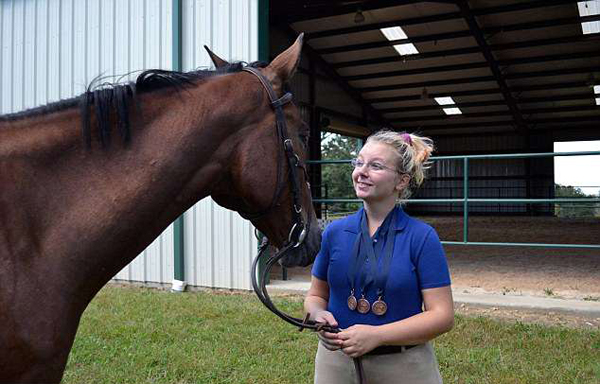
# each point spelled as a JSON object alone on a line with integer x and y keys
{"x": 560, "y": 120}
{"x": 487, "y": 103}
{"x": 352, "y": 92}
{"x": 569, "y": 108}
{"x": 467, "y": 33}
{"x": 438, "y": 18}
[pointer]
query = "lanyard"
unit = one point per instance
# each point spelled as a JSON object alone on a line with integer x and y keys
{"x": 364, "y": 252}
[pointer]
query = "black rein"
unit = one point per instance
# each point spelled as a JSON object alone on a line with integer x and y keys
{"x": 299, "y": 228}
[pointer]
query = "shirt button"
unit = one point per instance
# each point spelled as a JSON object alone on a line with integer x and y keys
{"x": 374, "y": 240}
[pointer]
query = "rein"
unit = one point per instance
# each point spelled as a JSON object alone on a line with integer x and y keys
{"x": 299, "y": 228}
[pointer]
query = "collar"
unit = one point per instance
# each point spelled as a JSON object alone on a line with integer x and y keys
{"x": 353, "y": 221}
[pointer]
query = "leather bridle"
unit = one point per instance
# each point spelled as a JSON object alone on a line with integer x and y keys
{"x": 299, "y": 227}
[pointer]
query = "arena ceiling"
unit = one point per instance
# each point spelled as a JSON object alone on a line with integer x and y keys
{"x": 519, "y": 66}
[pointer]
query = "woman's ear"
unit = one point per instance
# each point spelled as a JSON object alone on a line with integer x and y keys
{"x": 403, "y": 182}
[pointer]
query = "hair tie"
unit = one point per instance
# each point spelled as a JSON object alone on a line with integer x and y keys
{"x": 407, "y": 139}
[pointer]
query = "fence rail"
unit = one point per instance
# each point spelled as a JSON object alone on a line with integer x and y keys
{"x": 465, "y": 201}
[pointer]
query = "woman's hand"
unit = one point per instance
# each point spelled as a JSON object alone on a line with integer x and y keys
{"x": 329, "y": 340}
{"x": 358, "y": 339}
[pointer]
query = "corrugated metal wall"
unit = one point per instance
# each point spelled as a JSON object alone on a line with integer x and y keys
{"x": 491, "y": 178}
{"x": 219, "y": 244}
{"x": 52, "y": 49}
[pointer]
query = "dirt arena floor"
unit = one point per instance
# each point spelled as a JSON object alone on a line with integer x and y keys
{"x": 558, "y": 273}
{"x": 569, "y": 273}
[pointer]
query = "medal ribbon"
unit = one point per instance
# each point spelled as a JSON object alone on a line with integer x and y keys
{"x": 358, "y": 259}
{"x": 387, "y": 255}
{"x": 364, "y": 250}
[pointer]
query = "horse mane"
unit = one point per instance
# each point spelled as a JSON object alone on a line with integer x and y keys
{"x": 107, "y": 97}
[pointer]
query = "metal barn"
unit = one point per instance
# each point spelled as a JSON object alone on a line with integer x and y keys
{"x": 478, "y": 76}
{"x": 52, "y": 49}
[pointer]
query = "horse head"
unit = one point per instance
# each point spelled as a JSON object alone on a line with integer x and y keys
{"x": 268, "y": 182}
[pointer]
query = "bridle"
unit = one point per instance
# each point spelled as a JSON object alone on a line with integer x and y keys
{"x": 299, "y": 227}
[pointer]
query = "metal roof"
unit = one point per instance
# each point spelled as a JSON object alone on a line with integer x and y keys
{"x": 509, "y": 66}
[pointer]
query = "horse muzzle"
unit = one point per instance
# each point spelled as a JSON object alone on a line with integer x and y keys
{"x": 306, "y": 249}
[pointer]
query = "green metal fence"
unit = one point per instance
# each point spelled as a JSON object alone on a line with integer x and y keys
{"x": 466, "y": 200}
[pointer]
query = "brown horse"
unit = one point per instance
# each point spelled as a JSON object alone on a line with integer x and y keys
{"x": 76, "y": 208}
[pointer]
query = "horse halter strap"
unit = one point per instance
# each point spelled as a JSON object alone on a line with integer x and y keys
{"x": 299, "y": 228}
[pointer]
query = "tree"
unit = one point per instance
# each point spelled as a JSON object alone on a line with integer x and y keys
{"x": 336, "y": 178}
{"x": 574, "y": 209}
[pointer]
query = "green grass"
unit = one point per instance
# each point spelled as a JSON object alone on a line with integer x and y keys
{"x": 134, "y": 335}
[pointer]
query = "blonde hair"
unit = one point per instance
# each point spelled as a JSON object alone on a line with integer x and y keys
{"x": 413, "y": 154}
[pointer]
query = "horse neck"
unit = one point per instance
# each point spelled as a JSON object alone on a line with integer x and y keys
{"x": 94, "y": 210}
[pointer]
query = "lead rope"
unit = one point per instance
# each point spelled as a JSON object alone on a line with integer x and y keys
{"x": 301, "y": 324}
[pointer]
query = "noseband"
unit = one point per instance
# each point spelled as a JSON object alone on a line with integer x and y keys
{"x": 299, "y": 228}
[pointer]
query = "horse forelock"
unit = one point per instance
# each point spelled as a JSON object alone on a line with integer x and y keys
{"x": 107, "y": 97}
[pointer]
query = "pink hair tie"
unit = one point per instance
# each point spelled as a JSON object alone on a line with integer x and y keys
{"x": 406, "y": 138}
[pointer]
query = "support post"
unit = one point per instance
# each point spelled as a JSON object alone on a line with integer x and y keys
{"x": 263, "y": 55}
{"x": 178, "y": 226}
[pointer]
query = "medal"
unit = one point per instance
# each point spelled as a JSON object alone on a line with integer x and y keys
{"x": 352, "y": 301}
{"x": 363, "y": 306}
{"x": 379, "y": 307}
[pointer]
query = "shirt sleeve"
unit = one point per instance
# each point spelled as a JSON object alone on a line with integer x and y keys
{"x": 321, "y": 264}
{"x": 432, "y": 267}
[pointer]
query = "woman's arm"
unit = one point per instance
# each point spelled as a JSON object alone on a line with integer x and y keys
{"x": 437, "y": 318}
{"x": 316, "y": 301}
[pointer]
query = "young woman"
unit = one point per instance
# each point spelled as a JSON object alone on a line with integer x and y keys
{"x": 381, "y": 276}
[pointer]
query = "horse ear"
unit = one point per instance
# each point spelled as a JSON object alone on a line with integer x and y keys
{"x": 217, "y": 61}
{"x": 283, "y": 67}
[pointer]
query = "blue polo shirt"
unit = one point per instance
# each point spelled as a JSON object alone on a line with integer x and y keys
{"x": 418, "y": 263}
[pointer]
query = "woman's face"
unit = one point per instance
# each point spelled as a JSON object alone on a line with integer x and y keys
{"x": 383, "y": 184}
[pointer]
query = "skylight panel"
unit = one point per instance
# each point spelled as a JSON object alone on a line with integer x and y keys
{"x": 406, "y": 49}
{"x": 589, "y": 8}
{"x": 396, "y": 33}
{"x": 444, "y": 100}
{"x": 452, "y": 111}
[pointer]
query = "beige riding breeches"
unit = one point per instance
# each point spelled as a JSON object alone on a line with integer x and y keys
{"x": 417, "y": 365}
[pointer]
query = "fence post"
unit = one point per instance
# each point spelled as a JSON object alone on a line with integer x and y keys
{"x": 466, "y": 199}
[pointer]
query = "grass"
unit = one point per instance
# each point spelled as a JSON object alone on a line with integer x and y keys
{"x": 136, "y": 335}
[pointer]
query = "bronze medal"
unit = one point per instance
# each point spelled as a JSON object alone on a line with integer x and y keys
{"x": 352, "y": 302}
{"x": 363, "y": 306}
{"x": 379, "y": 307}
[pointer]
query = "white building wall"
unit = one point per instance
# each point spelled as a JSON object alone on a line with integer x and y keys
{"x": 219, "y": 244}
{"x": 52, "y": 49}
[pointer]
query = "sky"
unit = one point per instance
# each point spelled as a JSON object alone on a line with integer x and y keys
{"x": 578, "y": 171}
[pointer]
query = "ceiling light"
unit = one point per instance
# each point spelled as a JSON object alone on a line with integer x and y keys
{"x": 396, "y": 33}
{"x": 444, "y": 100}
{"x": 359, "y": 17}
{"x": 597, "y": 100}
{"x": 452, "y": 111}
{"x": 597, "y": 89}
{"x": 406, "y": 49}
{"x": 589, "y": 8}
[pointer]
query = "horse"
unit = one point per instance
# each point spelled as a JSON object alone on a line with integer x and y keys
{"x": 86, "y": 184}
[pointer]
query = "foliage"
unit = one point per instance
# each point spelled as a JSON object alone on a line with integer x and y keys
{"x": 336, "y": 178}
{"x": 574, "y": 209}
{"x": 141, "y": 336}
